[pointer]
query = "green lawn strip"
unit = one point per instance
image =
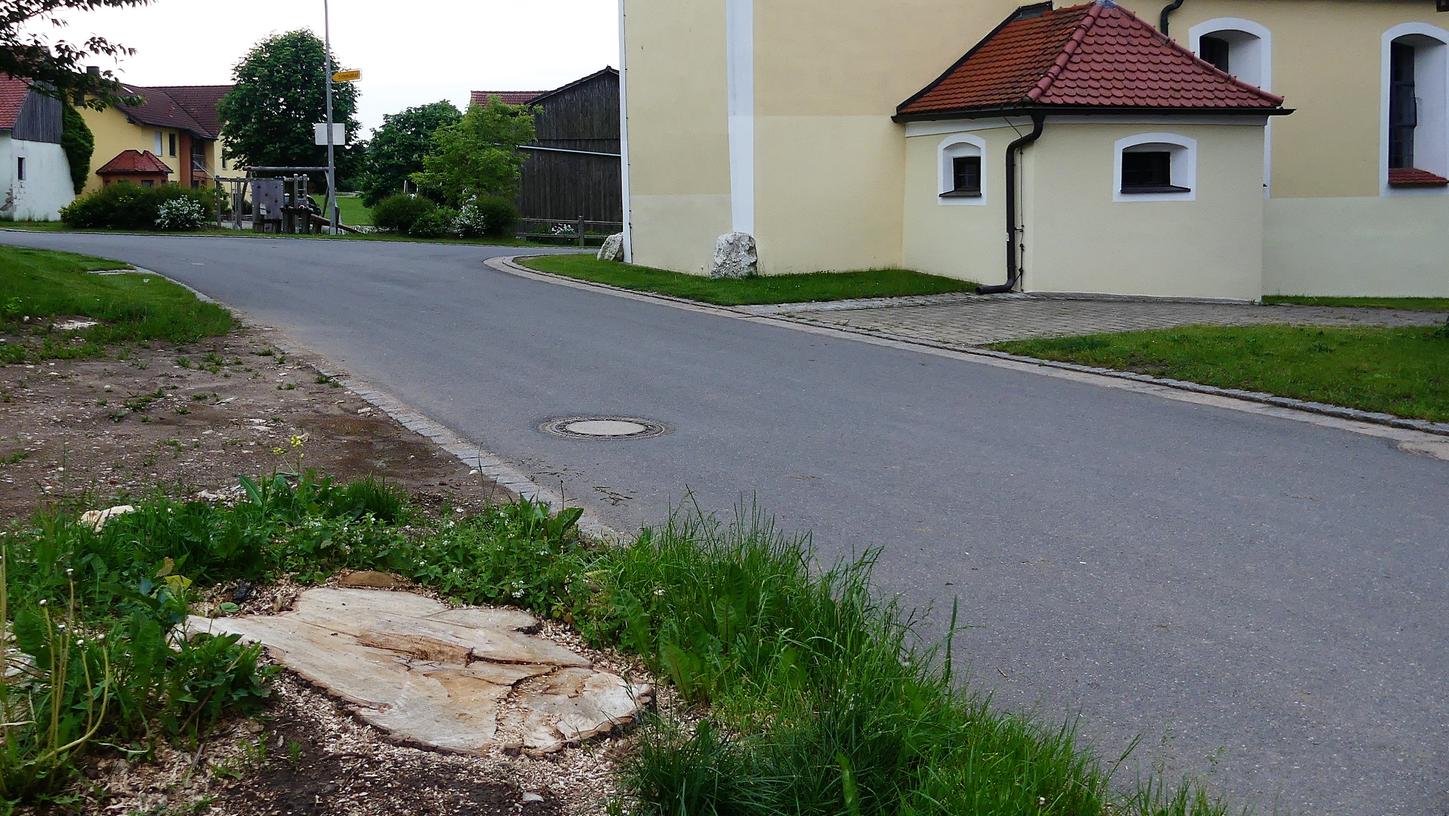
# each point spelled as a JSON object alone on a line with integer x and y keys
{"x": 766, "y": 289}
{"x": 350, "y": 208}
{"x": 821, "y": 700}
{"x": 130, "y": 307}
{"x": 1412, "y": 304}
{"x": 1401, "y": 371}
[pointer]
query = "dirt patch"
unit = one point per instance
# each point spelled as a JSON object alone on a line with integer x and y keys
{"x": 197, "y": 417}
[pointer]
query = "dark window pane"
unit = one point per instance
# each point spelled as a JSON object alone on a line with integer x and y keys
{"x": 20, "y": 168}
{"x": 966, "y": 174}
{"x": 1403, "y": 106}
{"x": 1215, "y": 51}
{"x": 1146, "y": 169}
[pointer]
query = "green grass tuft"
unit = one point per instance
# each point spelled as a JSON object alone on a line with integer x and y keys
{"x": 1413, "y": 304}
{"x": 766, "y": 289}
{"x": 1401, "y": 371}
{"x": 133, "y": 307}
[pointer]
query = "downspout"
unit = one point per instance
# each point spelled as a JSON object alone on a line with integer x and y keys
{"x": 1167, "y": 11}
{"x": 1013, "y": 269}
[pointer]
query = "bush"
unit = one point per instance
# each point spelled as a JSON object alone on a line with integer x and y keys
{"x": 127, "y": 206}
{"x": 79, "y": 145}
{"x": 399, "y": 213}
{"x": 180, "y": 215}
{"x": 500, "y": 214}
{"x": 435, "y": 223}
{"x": 471, "y": 221}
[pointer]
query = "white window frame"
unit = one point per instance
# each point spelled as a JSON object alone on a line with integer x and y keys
{"x": 1264, "y": 79}
{"x": 1184, "y": 166}
{"x": 1431, "y": 147}
{"x": 959, "y": 145}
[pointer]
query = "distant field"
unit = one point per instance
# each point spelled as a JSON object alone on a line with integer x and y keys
{"x": 353, "y": 212}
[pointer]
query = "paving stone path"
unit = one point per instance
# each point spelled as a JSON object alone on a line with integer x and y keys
{"x": 978, "y": 321}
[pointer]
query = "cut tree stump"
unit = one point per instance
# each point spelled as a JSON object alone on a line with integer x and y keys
{"x": 467, "y": 680}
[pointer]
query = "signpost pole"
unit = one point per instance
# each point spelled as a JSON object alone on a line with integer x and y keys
{"x": 331, "y": 148}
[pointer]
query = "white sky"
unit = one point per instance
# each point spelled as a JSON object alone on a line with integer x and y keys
{"x": 410, "y": 52}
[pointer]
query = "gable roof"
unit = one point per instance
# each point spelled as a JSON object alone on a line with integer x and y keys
{"x": 132, "y": 162}
{"x": 1097, "y": 56}
{"x": 606, "y": 71}
{"x": 201, "y": 101}
{"x": 507, "y": 97}
{"x": 13, "y": 91}
{"x": 182, "y": 107}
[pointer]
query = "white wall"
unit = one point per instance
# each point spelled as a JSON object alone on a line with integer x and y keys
{"x": 47, "y": 185}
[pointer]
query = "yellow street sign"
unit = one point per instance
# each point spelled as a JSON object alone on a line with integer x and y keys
{"x": 347, "y": 76}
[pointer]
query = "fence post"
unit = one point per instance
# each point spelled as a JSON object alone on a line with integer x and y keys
{"x": 581, "y": 231}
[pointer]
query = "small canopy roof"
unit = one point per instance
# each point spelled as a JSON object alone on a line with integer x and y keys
{"x": 1096, "y": 57}
{"x": 134, "y": 163}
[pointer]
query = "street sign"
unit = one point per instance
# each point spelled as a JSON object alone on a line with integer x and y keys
{"x": 347, "y": 76}
{"x": 339, "y": 133}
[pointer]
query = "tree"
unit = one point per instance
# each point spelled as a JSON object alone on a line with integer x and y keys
{"x": 59, "y": 68}
{"x": 280, "y": 94}
{"x": 398, "y": 147}
{"x": 478, "y": 155}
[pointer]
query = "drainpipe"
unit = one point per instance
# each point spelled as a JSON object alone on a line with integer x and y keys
{"x": 1013, "y": 270}
{"x": 1167, "y": 15}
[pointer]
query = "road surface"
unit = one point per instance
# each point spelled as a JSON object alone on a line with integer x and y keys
{"x": 1265, "y": 602}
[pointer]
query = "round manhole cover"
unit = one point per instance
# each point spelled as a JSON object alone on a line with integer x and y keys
{"x": 603, "y": 428}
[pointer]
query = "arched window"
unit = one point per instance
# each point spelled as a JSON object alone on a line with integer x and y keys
{"x": 962, "y": 160}
{"x": 1239, "y": 47}
{"x": 1415, "y": 110}
{"x": 1155, "y": 167}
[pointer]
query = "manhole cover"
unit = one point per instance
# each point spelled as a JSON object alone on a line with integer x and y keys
{"x": 603, "y": 428}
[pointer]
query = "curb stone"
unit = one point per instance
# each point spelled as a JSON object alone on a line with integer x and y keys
{"x": 509, "y": 265}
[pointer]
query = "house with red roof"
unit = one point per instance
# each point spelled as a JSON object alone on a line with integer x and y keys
{"x": 172, "y": 135}
{"x": 35, "y": 180}
{"x": 1182, "y": 148}
{"x": 573, "y": 167}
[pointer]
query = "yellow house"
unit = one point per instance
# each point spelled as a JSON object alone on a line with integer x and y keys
{"x": 176, "y": 125}
{"x": 793, "y": 123}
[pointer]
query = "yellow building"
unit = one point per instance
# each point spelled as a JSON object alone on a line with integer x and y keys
{"x": 790, "y": 122}
{"x": 176, "y": 125}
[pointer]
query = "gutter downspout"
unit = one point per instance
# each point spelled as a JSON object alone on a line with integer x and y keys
{"x": 1166, "y": 19}
{"x": 1013, "y": 269}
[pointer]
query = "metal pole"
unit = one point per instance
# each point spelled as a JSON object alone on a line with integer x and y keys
{"x": 331, "y": 150}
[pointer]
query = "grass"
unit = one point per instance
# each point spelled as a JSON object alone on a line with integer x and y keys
{"x": 821, "y": 700}
{"x": 352, "y": 211}
{"x": 1401, "y": 371}
{"x": 768, "y": 289}
{"x": 1413, "y": 304}
{"x": 39, "y": 285}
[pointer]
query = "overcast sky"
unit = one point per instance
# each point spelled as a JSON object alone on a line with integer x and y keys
{"x": 410, "y": 52}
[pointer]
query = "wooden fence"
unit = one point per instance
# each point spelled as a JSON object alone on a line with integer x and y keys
{"x": 579, "y": 231}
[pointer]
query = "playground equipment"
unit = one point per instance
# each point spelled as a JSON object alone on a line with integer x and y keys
{"x": 271, "y": 199}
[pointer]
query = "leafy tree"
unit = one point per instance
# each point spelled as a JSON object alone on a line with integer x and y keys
{"x": 59, "y": 68}
{"x": 398, "y": 147}
{"x": 78, "y": 143}
{"x": 478, "y": 155}
{"x": 279, "y": 95}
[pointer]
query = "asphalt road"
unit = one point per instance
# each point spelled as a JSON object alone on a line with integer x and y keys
{"x": 1265, "y": 602}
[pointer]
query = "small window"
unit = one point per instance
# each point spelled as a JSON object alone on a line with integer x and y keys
{"x": 20, "y": 168}
{"x": 147, "y": 183}
{"x": 966, "y": 176}
{"x": 1217, "y": 51}
{"x": 171, "y": 143}
{"x": 1148, "y": 171}
{"x": 962, "y": 165}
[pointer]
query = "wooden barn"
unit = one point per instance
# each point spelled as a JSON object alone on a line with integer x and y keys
{"x": 573, "y": 170}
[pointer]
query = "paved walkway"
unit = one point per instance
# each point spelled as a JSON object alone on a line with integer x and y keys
{"x": 977, "y": 321}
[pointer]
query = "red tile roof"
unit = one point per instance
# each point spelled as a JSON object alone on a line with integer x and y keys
{"x": 508, "y": 97}
{"x": 133, "y": 162}
{"x": 182, "y": 107}
{"x": 1097, "y": 55}
{"x": 201, "y": 101}
{"x": 1411, "y": 177}
{"x": 13, "y": 91}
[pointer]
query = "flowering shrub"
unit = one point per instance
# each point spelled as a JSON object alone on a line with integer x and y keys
{"x": 179, "y": 215}
{"x": 564, "y": 230}
{"x": 472, "y": 221}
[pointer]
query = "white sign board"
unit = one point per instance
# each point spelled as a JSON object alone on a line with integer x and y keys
{"x": 339, "y": 133}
